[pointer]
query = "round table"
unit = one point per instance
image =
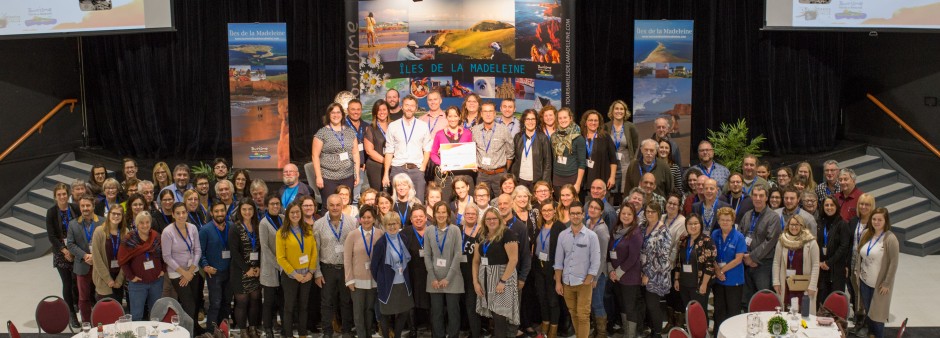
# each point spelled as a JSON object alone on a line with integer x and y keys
{"x": 165, "y": 330}
{"x": 736, "y": 326}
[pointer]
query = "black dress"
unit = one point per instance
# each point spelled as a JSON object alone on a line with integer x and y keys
{"x": 603, "y": 154}
{"x": 240, "y": 244}
{"x": 419, "y": 272}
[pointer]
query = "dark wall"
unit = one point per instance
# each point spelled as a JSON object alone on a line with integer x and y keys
{"x": 900, "y": 69}
{"x": 34, "y": 77}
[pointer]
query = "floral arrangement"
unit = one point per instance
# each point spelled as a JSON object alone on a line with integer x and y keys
{"x": 784, "y": 328}
{"x": 373, "y": 80}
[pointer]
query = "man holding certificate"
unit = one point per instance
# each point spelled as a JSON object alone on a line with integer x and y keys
{"x": 494, "y": 147}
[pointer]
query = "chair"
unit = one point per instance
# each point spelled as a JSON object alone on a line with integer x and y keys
{"x": 224, "y": 327}
{"x": 166, "y": 307}
{"x": 14, "y": 333}
{"x": 696, "y": 320}
{"x": 900, "y": 330}
{"x": 678, "y": 332}
{"x": 312, "y": 180}
{"x": 52, "y": 315}
{"x": 169, "y": 315}
{"x": 106, "y": 311}
{"x": 838, "y": 303}
{"x": 764, "y": 300}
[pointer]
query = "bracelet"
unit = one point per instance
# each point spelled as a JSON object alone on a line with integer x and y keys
{"x": 502, "y": 281}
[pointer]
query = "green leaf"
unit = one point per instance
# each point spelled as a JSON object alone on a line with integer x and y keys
{"x": 731, "y": 143}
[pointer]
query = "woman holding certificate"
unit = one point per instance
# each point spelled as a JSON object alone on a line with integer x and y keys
{"x": 454, "y": 133}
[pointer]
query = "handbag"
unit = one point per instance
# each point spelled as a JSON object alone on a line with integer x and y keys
{"x": 798, "y": 283}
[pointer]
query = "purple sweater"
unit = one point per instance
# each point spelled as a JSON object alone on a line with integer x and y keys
{"x": 628, "y": 257}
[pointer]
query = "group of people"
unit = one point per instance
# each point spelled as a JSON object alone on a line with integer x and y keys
{"x": 399, "y": 243}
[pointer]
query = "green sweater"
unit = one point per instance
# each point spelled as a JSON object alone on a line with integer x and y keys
{"x": 576, "y": 159}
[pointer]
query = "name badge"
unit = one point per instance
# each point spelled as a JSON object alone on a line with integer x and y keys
{"x": 463, "y": 258}
{"x": 421, "y": 253}
{"x": 226, "y": 254}
{"x": 344, "y": 156}
{"x": 338, "y": 249}
{"x": 114, "y": 264}
{"x": 619, "y": 157}
{"x": 824, "y": 251}
{"x": 791, "y": 272}
{"x": 721, "y": 264}
{"x": 148, "y": 265}
{"x": 253, "y": 256}
{"x": 687, "y": 268}
{"x": 543, "y": 256}
{"x": 747, "y": 240}
{"x": 643, "y": 258}
{"x": 367, "y": 265}
{"x": 441, "y": 262}
{"x": 563, "y": 159}
{"x": 487, "y": 161}
{"x": 304, "y": 259}
{"x": 613, "y": 254}
{"x": 189, "y": 263}
{"x": 89, "y": 248}
{"x": 590, "y": 163}
{"x": 361, "y": 147}
{"x": 484, "y": 261}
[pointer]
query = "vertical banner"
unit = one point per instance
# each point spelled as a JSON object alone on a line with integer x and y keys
{"x": 520, "y": 49}
{"x": 257, "y": 81}
{"x": 662, "y": 80}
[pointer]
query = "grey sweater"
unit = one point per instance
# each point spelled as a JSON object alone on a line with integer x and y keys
{"x": 603, "y": 239}
{"x": 451, "y": 255}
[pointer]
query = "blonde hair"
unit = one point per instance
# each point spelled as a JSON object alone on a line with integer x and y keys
{"x": 866, "y": 197}
{"x": 166, "y": 168}
{"x": 485, "y": 231}
{"x": 521, "y": 189}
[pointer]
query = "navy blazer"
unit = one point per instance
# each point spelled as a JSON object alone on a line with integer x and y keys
{"x": 697, "y": 209}
{"x": 383, "y": 274}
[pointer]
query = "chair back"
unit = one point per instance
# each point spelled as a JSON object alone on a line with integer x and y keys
{"x": 838, "y": 303}
{"x": 678, "y": 332}
{"x": 903, "y": 327}
{"x": 312, "y": 179}
{"x": 14, "y": 333}
{"x": 764, "y": 300}
{"x": 106, "y": 311}
{"x": 696, "y": 320}
{"x": 52, "y": 315}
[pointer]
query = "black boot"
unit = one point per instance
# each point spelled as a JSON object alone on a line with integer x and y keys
{"x": 73, "y": 321}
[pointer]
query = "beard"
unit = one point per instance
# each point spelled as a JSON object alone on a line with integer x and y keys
{"x": 392, "y": 106}
{"x": 289, "y": 181}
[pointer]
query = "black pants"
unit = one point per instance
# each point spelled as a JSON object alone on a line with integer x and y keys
{"x": 547, "y": 298}
{"x": 395, "y": 322}
{"x": 272, "y": 305}
{"x": 654, "y": 312}
{"x": 829, "y": 282}
{"x": 69, "y": 288}
{"x": 727, "y": 302}
{"x": 334, "y": 284}
{"x": 186, "y": 295}
{"x": 248, "y": 309}
{"x": 502, "y": 327}
{"x": 470, "y": 310}
{"x": 439, "y": 327}
{"x": 313, "y": 302}
{"x": 296, "y": 295}
{"x": 689, "y": 294}
{"x": 629, "y": 304}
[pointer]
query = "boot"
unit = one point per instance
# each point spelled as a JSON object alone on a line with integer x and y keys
{"x": 629, "y": 328}
{"x": 601, "y": 331}
{"x": 269, "y": 333}
{"x": 553, "y": 331}
{"x": 680, "y": 318}
{"x": 543, "y": 330}
{"x": 73, "y": 321}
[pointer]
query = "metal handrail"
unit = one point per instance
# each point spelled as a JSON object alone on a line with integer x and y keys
{"x": 38, "y": 125}
{"x": 904, "y": 125}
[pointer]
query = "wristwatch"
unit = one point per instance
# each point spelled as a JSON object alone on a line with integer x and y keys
{"x": 502, "y": 281}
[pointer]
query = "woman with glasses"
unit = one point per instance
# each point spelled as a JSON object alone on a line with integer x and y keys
{"x": 141, "y": 261}
{"x": 358, "y": 250}
{"x": 624, "y": 255}
{"x": 111, "y": 190}
{"x": 657, "y": 254}
{"x": 181, "y": 253}
{"x": 626, "y": 141}
{"x": 494, "y": 274}
{"x": 533, "y": 152}
{"x": 389, "y": 268}
{"x": 107, "y": 275}
{"x": 335, "y": 159}
{"x": 442, "y": 255}
{"x": 297, "y": 257}
{"x": 272, "y": 295}
{"x": 543, "y": 271}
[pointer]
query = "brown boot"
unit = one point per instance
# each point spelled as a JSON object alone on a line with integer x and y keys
{"x": 553, "y": 331}
{"x": 543, "y": 330}
{"x": 601, "y": 330}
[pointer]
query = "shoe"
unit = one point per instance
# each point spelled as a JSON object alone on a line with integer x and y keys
{"x": 601, "y": 331}
{"x": 73, "y": 321}
{"x": 862, "y": 332}
{"x": 269, "y": 333}
{"x": 543, "y": 330}
{"x": 553, "y": 331}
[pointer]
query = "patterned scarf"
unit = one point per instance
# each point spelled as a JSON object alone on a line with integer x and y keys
{"x": 134, "y": 246}
{"x": 563, "y": 138}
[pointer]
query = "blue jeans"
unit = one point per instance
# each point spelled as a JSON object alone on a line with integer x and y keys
{"x": 756, "y": 279}
{"x": 357, "y": 190}
{"x": 220, "y": 297}
{"x": 597, "y": 296}
{"x": 874, "y": 328}
{"x": 142, "y": 296}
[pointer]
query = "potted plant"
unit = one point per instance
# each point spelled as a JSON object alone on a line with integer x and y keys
{"x": 731, "y": 143}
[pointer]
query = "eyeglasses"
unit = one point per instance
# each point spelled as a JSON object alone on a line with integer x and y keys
{"x": 490, "y": 219}
{"x": 576, "y": 213}
{"x": 290, "y": 172}
{"x": 220, "y": 167}
{"x": 706, "y": 150}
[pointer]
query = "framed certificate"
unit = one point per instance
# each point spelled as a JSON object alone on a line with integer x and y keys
{"x": 458, "y": 156}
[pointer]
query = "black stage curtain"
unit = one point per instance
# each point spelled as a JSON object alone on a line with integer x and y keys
{"x": 165, "y": 94}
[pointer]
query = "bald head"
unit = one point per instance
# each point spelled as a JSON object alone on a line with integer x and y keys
{"x": 711, "y": 188}
{"x": 504, "y": 204}
{"x": 648, "y": 182}
{"x": 598, "y": 189}
{"x": 334, "y": 204}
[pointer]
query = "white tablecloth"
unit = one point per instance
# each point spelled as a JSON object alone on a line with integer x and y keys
{"x": 164, "y": 330}
{"x": 736, "y": 327}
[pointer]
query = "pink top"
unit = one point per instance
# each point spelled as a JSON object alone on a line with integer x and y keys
{"x": 444, "y": 136}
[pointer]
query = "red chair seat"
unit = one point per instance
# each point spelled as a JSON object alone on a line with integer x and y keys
{"x": 838, "y": 303}
{"x": 169, "y": 315}
{"x": 764, "y": 300}
{"x": 14, "y": 333}
{"x": 696, "y": 320}
{"x": 106, "y": 311}
{"x": 52, "y": 315}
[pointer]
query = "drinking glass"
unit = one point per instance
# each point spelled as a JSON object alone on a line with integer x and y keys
{"x": 141, "y": 331}
{"x": 154, "y": 322}
{"x": 86, "y": 326}
{"x": 776, "y": 329}
{"x": 175, "y": 320}
{"x": 795, "y": 324}
{"x": 753, "y": 324}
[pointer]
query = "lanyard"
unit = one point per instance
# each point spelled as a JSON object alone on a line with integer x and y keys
{"x": 754, "y": 217}
{"x": 549, "y": 135}
{"x": 300, "y": 240}
{"x": 648, "y": 168}
{"x": 329, "y": 224}
{"x": 432, "y": 125}
{"x": 707, "y": 172}
{"x": 107, "y": 206}
{"x": 189, "y": 247}
{"x": 783, "y": 223}
{"x": 617, "y": 137}
{"x": 463, "y": 234}
{"x": 358, "y": 133}
{"x": 483, "y": 131}
{"x": 747, "y": 187}
{"x": 115, "y": 242}
{"x": 88, "y": 229}
{"x": 825, "y": 236}
{"x": 419, "y": 237}
{"x": 486, "y": 247}
{"x": 339, "y": 136}
{"x": 871, "y": 244}
{"x": 723, "y": 244}
{"x": 736, "y": 204}
{"x": 223, "y": 238}
{"x": 193, "y": 219}
{"x": 510, "y": 224}
{"x": 545, "y": 235}
{"x": 251, "y": 237}
{"x": 858, "y": 232}
{"x": 67, "y": 218}
{"x": 379, "y": 127}
{"x": 790, "y": 254}
{"x": 407, "y": 136}
{"x": 590, "y": 144}
{"x": 275, "y": 225}
{"x": 401, "y": 258}
{"x": 595, "y": 223}
{"x": 688, "y": 250}
{"x": 231, "y": 210}
{"x": 440, "y": 243}
{"x": 367, "y": 245}
{"x": 167, "y": 220}
{"x": 402, "y": 215}
{"x": 527, "y": 147}
{"x": 708, "y": 221}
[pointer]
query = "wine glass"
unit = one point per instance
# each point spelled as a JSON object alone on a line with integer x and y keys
{"x": 175, "y": 320}
{"x": 776, "y": 329}
{"x": 794, "y": 324}
{"x": 753, "y": 324}
{"x": 154, "y": 322}
{"x": 86, "y": 326}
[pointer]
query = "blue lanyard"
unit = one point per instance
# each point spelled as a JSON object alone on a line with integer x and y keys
{"x": 707, "y": 172}
{"x": 595, "y": 223}
{"x": 737, "y": 206}
{"x": 708, "y": 221}
{"x": 67, "y": 218}
{"x": 401, "y": 258}
{"x": 300, "y": 240}
{"x": 527, "y": 147}
{"x": 828, "y": 192}
{"x": 754, "y": 217}
{"x": 88, "y": 229}
{"x": 617, "y": 136}
{"x": 107, "y": 206}
{"x": 783, "y": 223}
{"x": 191, "y": 218}
{"x": 251, "y": 237}
{"x": 858, "y": 234}
{"x": 747, "y": 187}
{"x": 688, "y": 250}
{"x": 590, "y": 144}
{"x": 723, "y": 245}
{"x": 871, "y": 244}
{"x": 825, "y": 236}
{"x": 418, "y": 236}
{"x": 440, "y": 243}
{"x": 483, "y": 131}
{"x": 223, "y": 238}
{"x": 407, "y": 136}
{"x": 463, "y": 234}
{"x": 189, "y": 247}
{"x": 358, "y": 133}
{"x": 379, "y": 127}
{"x": 367, "y": 245}
{"x": 545, "y": 235}
{"x": 432, "y": 125}
{"x": 339, "y": 136}
{"x": 790, "y": 254}
{"x": 649, "y": 168}
{"x": 510, "y": 224}
{"x": 486, "y": 247}
{"x": 276, "y": 226}
{"x": 401, "y": 215}
{"x": 231, "y": 210}
{"x": 547, "y": 134}
{"x": 329, "y": 224}
{"x": 115, "y": 242}
{"x": 167, "y": 220}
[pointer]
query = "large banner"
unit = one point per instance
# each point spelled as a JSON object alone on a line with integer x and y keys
{"x": 662, "y": 79}
{"x": 257, "y": 81}
{"x": 521, "y": 49}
